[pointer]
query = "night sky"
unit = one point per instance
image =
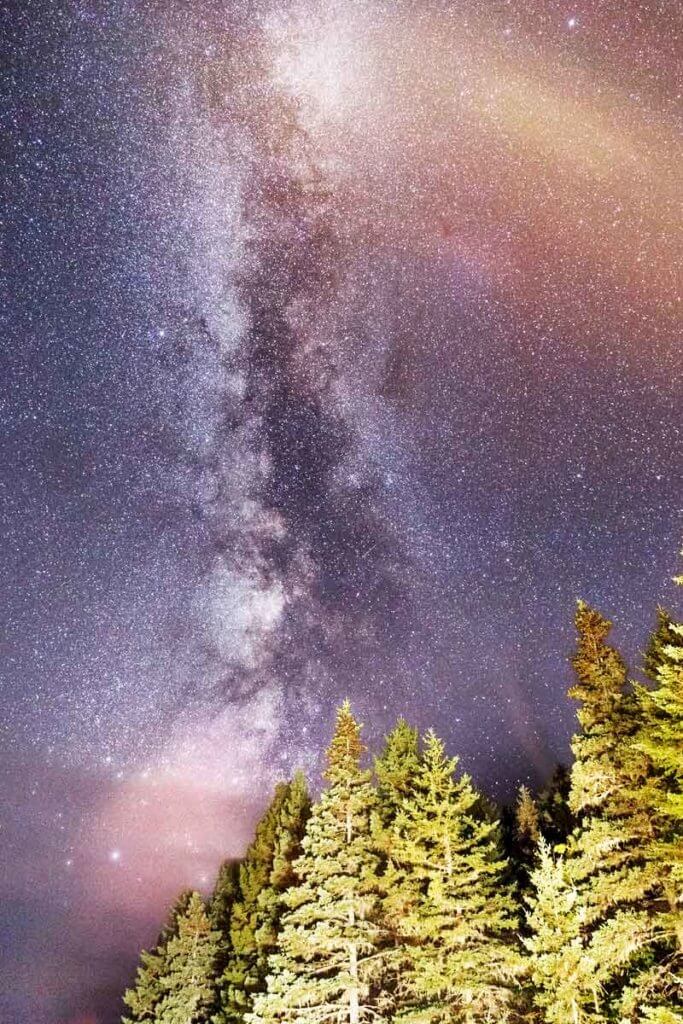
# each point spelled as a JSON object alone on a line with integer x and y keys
{"x": 341, "y": 354}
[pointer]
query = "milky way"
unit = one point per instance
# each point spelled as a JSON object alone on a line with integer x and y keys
{"x": 342, "y": 354}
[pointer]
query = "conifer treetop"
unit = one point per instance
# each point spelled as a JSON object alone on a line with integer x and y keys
{"x": 344, "y": 753}
{"x": 600, "y": 669}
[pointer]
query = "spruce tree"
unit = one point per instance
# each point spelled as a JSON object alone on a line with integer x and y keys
{"x": 254, "y": 916}
{"x": 527, "y": 830}
{"x": 395, "y": 769}
{"x": 555, "y": 819}
{"x": 451, "y": 904}
{"x": 225, "y": 892}
{"x": 188, "y": 981}
{"x": 291, "y": 826}
{"x": 618, "y": 892}
{"x": 660, "y": 738}
{"x": 326, "y": 965}
{"x": 143, "y": 998}
{"x": 559, "y": 971}
{"x": 659, "y": 988}
{"x": 612, "y": 888}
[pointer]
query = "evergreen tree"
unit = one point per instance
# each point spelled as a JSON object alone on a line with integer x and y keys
{"x": 555, "y": 818}
{"x": 565, "y": 989}
{"x": 660, "y": 737}
{"x": 618, "y": 892}
{"x": 225, "y": 892}
{"x": 326, "y": 965}
{"x": 395, "y": 769}
{"x": 451, "y": 903}
{"x": 527, "y": 832}
{"x": 291, "y": 825}
{"x": 612, "y": 889}
{"x": 659, "y": 989}
{"x": 188, "y": 981}
{"x": 143, "y": 998}
{"x": 263, "y": 875}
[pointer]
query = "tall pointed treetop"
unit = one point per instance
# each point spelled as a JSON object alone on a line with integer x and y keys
{"x": 600, "y": 669}
{"x": 346, "y": 749}
{"x": 395, "y": 768}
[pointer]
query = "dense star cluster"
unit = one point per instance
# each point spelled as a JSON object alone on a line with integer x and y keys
{"x": 342, "y": 354}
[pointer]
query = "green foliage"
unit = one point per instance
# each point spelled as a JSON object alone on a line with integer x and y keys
{"x": 188, "y": 981}
{"x": 527, "y": 826}
{"x": 342, "y": 758}
{"x": 555, "y": 818}
{"x": 143, "y": 998}
{"x": 449, "y": 902}
{"x": 326, "y": 966}
{"x": 256, "y": 907}
{"x": 393, "y": 900}
{"x": 395, "y": 769}
{"x": 661, "y": 1015}
{"x": 609, "y": 936}
{"x": 660, "y": 738}
{"x": 290, "y": 827}
{"x": 225, "y": 892}
{"x": 563, "y": 984}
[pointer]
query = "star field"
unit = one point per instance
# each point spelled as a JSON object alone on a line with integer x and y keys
{"x": 342, "y": 354}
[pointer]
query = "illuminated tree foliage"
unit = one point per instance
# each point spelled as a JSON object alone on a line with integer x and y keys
{"x": 189, "y": 979}
{"x": 395, "y": 770}
{"x": 610, "y": 962}
{"x": 450, "y": 903}
{"x": 225, "y": 892}
{"x": 527, "y": 826}
{"x": 145, "y": 995}
{"x": 558, "y": 968}
{"x": 660, "y": 739}
{"x": 555, "y": 819}
{"x": 389, "y": 898}
{"x": 256, "y": 907}
{"x": 326, "y": 967}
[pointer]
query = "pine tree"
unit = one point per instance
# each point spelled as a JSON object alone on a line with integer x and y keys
{"x": 527, "y": 831}
{"x": 395, "y": 769}
{"x": 291, "y": 826}
{"x": 263, "y": 875}
{"x": 188, "y": 981}
{"x": 613, "y": 889}
{"x": 143, "y": 998}
{"x": 660, "y": 738}
{"x": 561, "y": 974}
{"x": 555, "y": 818}
{"x": 659, "y": 988}
{"x": 225, "y": 892}
{"x": 326, "y": 965}
{"x": 451, "y": 905}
